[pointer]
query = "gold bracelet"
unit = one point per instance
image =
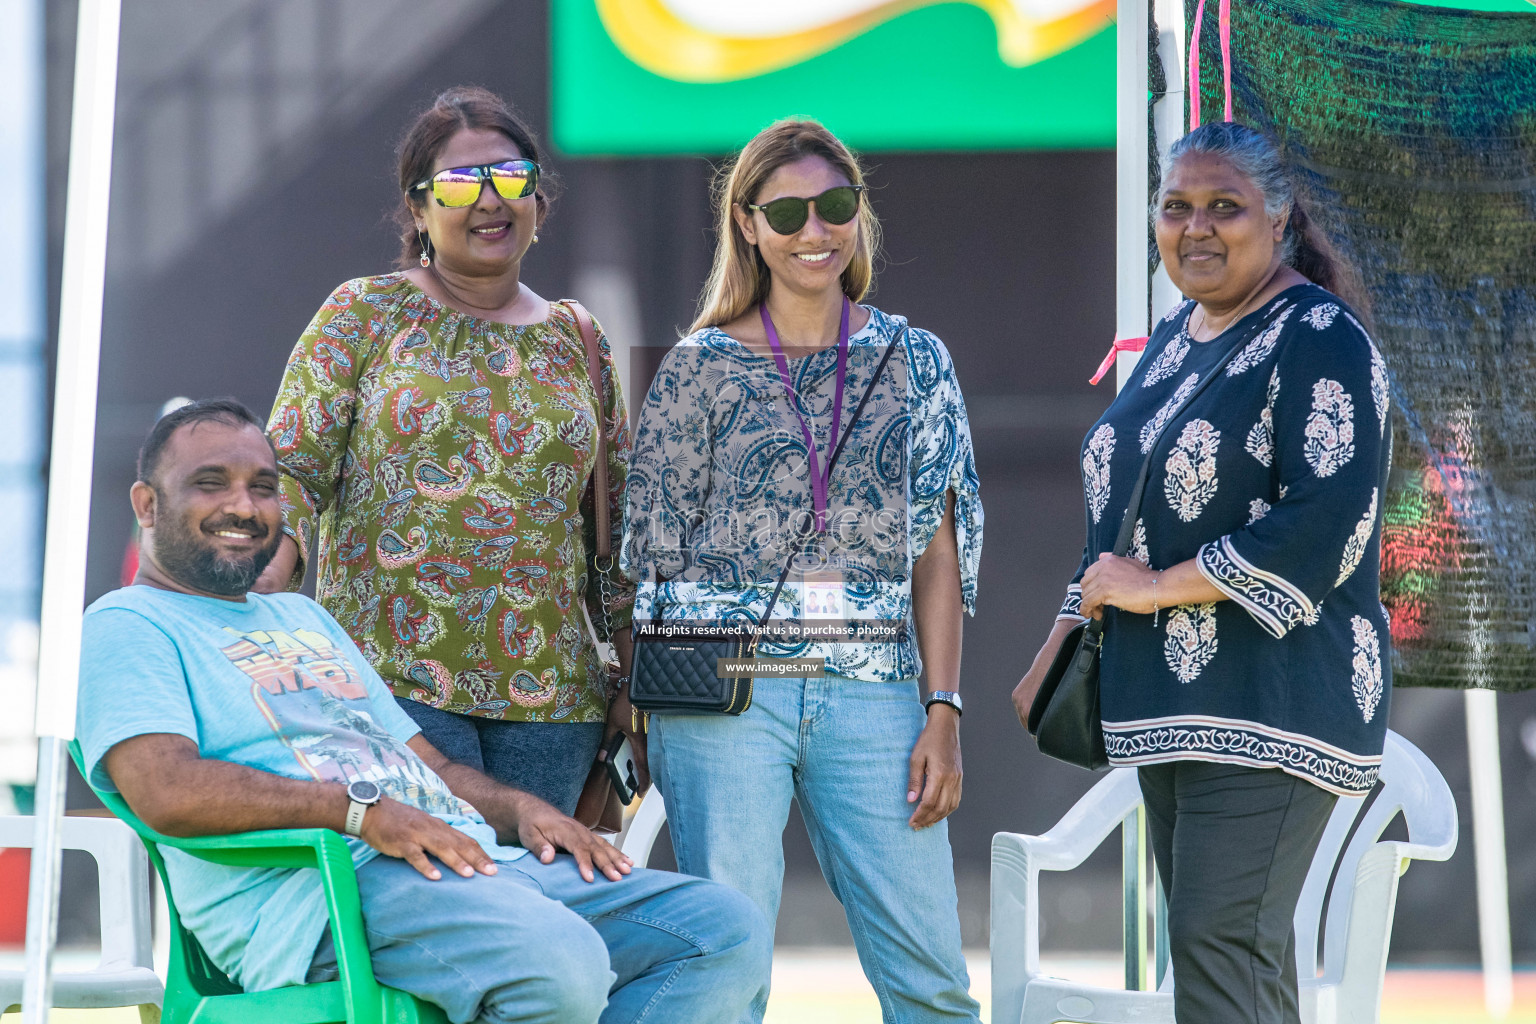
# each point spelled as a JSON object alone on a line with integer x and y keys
{"x": 1155, "y": 608}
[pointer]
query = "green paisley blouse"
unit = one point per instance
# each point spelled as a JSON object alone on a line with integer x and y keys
{"x": 437, "y": 466}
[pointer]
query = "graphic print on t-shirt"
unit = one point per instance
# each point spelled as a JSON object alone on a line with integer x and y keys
{"x": 316, "y": 702}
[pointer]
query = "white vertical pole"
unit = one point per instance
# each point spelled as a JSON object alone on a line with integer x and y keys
{"x": 1130, "y": 177}
{"x": 1489, "y": 852}
{"x": 1130, "y": 322}
{"x": 69, "y": 490}
{"x": 1168, "y": 118}
{"x": 1168, "y": 121}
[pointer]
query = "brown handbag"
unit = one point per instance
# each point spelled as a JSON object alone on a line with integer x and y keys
{"x": 598, "y": 807}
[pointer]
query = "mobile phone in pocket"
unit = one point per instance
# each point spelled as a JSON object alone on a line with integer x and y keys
{"x": 620, "y": 761}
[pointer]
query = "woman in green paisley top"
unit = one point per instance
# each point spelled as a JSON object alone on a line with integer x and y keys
{"x": 436, "y": 431}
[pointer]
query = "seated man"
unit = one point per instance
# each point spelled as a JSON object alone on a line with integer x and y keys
{"x": 216, "y": 710}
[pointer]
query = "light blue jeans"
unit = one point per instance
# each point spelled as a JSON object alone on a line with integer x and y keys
{"x": 534, "y": 944}
{"x": 841, "y": 748}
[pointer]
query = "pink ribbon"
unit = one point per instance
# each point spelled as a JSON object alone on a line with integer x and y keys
{"x": 1224, "y": 27}
{"x": 1224, "y": 24}
{"x": 1120, "y": 345}
{"x": 1194, "y": 68}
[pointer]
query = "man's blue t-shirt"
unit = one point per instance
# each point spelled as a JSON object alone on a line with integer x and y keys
{"x": 275, "y": 684}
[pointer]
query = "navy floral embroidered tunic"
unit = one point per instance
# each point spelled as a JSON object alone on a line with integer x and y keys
{"x": 719, "y": 476}
{"x": 1272, "y": 479}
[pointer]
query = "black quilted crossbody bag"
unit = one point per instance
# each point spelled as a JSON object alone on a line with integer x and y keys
{"x": 681, "y": 676}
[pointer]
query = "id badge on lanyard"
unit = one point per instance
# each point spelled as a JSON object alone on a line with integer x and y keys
{"x": 822, "y": 593}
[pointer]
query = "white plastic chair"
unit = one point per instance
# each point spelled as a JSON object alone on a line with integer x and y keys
{"x": 1359, "y": 918}
{"x": 640, "y": 831}
{"x": 124, "y": 976}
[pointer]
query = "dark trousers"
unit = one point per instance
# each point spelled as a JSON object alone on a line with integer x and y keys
{"x": 1233, "y": 845}
{"x": 548, "y": 759}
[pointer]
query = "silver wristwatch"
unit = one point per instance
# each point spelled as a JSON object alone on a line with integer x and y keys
{"x": 363, "y": 795}
{"x": 949, "y": 697}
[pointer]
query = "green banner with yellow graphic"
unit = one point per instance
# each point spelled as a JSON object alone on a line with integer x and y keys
{"x": 655, "y": 77}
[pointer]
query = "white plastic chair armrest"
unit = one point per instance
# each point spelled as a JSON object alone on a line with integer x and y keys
{"x": 1017, "y": 861}
{"x": 1429, "y": 809}
{"x": 125, "y": 975}
{"x": 644, "y": 826}
{"x": 1082, "y": 829}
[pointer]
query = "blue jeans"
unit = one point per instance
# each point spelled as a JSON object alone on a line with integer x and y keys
{"x": 534, "y": 944}
{"x": 548, "y": 759}
{"x": 841, "y": 748}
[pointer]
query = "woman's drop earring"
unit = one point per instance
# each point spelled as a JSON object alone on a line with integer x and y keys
{"x": 426, "y": 260}
{"x": 535, "y": 238}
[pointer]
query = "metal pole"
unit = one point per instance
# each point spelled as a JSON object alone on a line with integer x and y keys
{"x": 69, "y": 491}
{"x": 1168, "y": 119}
{"x": 1168, "y": 122}
{"x": 43, "y": 885}
{"x": 1133, "y": 846}
{"x": 1131, "y": 309}
{"x": 1489, "y": 851}
{"x": 1131, "y": 321}
{"x": 1160, "y": 932}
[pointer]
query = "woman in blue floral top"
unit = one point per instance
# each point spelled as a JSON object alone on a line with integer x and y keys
{"x": 728, "y": 475}
{"x": 1246, "y": 666}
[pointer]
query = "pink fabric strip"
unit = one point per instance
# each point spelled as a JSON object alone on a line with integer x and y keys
{"x": 1194, "y": 69}
{"x": 1224, "y": 20}
{"x": 1120, "y": 345}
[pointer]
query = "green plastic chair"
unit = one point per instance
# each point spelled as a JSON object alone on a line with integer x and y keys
{"x": 197, "y": 992}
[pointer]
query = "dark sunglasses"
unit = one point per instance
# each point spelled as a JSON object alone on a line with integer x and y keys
{"x": 837, "y": 205}
{"x": 460, "y": 186}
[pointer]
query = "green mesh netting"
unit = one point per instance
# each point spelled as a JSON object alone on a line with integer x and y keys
{"x": 1413, "y": 131}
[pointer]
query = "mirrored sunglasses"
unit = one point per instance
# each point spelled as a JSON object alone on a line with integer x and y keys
{"x": 837, "y": 205}
{"x": 460, "y": 186}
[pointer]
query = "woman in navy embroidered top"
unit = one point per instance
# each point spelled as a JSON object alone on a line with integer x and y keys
{"x": 1245, "y": 664}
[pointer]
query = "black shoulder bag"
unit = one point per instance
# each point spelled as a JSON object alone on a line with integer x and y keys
{"x": 681, "y": 676}
{"x": 1064, "y": 717}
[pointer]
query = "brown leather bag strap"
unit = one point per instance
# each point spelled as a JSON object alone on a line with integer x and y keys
{"x": 588, "y": 331}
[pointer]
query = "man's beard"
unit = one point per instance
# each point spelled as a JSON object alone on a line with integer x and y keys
{"x": 185, "y": 556}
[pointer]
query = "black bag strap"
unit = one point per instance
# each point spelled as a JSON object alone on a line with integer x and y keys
{"x": 805, "y": 533}
{"x": 1133, "y": 507}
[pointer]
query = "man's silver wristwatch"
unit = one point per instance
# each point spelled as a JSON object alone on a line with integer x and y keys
{"x": 949, "y": 697}
{"x": 363, "y": 795}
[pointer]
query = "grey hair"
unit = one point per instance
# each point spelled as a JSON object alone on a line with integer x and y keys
{"x": 1304, "y": 246}
{"x": 1253, "y": 156}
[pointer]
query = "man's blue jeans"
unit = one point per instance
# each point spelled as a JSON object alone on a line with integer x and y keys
{"x": 841, "y": 748}
{"x": 534, "y": 944}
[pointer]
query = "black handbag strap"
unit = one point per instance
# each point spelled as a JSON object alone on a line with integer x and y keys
{"x": 1133, "y": 507}
{"x": 806, "y": 530}
{"x": 805, "y": 533}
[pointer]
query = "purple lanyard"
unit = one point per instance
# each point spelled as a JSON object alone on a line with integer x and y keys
{"x": 819, "y": 479}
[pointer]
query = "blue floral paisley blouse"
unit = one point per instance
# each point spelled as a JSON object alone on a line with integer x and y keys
{"x": 720, "y": 473}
